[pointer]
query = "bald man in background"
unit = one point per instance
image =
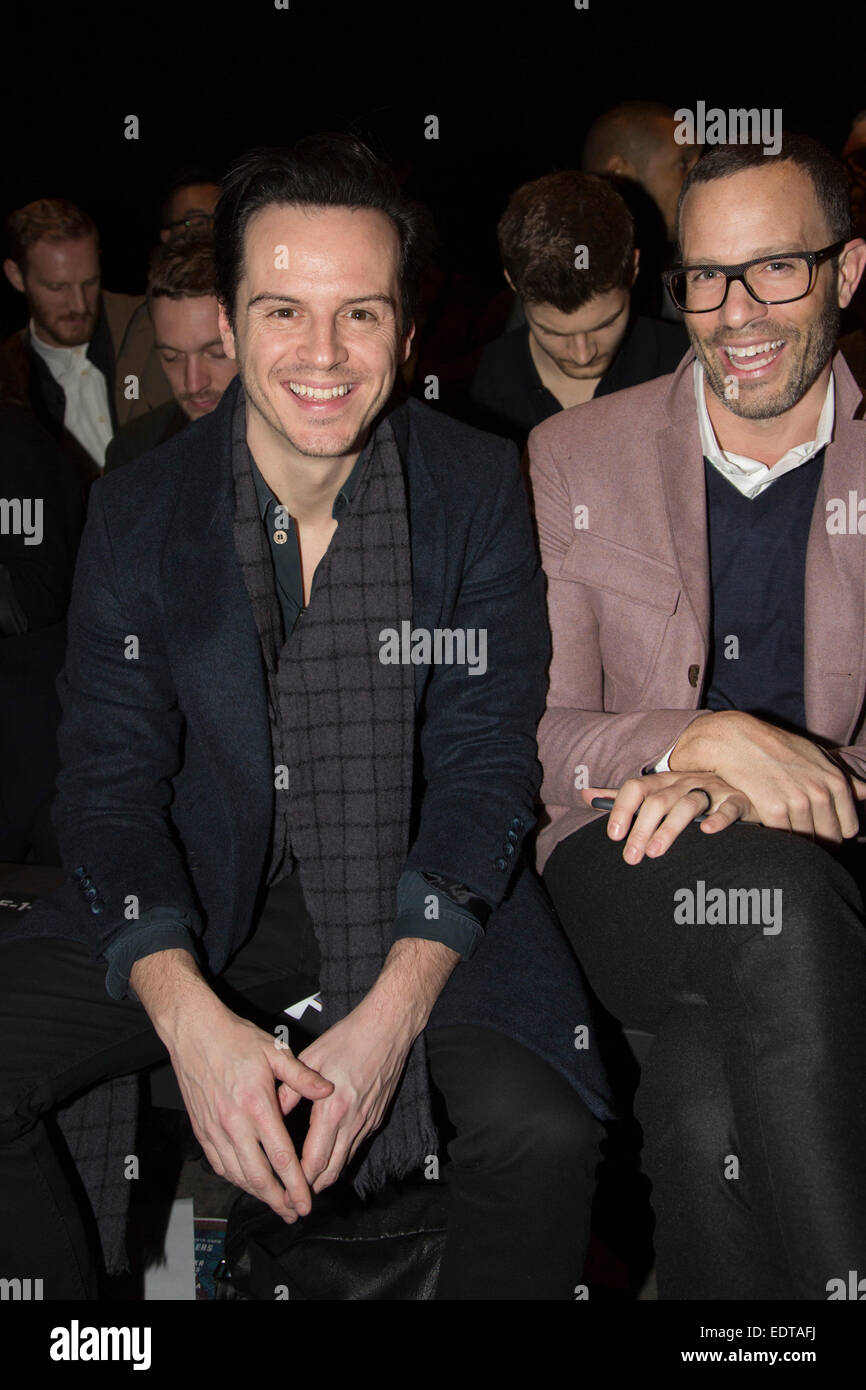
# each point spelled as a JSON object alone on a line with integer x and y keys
{"x": 635, "y": 142}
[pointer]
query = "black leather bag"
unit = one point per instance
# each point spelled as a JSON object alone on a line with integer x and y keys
{"x": 388, "y": 1247}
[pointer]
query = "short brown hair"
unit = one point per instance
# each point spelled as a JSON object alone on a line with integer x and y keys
{"x": 546, "y": 221}
{"x": 183, "y": 268}
{"x": 46, "y": 219}
{"x": 824, "y": 169}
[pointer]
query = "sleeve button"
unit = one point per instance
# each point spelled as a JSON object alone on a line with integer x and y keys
{"x": 501, "y": 863}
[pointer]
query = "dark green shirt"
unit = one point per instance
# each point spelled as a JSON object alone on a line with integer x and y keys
{"x": 283, "y": 539}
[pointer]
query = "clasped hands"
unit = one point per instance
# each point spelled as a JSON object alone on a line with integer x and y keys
{"x": 238, "y": 1084}
{"x": 733, "y": 766}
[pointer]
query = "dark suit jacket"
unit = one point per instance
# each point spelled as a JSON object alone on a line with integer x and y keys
{"x": 509, "y": 397}
{"x": 35, "y": 584}
{"x": 122, "y": 346}
{"x": 162, "y": 793}
{"x": 33, "y": 466}
{"x": 145, "y": 433}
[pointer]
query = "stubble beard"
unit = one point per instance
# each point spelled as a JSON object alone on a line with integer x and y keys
{"x": 265, "y": 407}
{"x": 66, "y": 333}
{"x": 811, "y": 349}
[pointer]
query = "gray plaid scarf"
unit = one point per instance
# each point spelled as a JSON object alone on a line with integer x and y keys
{"x": 343, "y": 724}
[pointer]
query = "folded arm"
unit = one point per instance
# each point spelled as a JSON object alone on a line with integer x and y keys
{"x": 762, "y": 772}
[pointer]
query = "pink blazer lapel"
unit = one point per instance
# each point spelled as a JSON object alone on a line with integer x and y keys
{"x": 835, "y": 607}
{"x": 678, "y": 448}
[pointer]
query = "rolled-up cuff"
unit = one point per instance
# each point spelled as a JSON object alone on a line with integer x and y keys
{"x": 426, "y": 910}
{"x": 461, "y": 934}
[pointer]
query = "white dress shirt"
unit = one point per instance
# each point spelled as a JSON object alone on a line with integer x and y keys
{"x": 749, "y": 476}
{"x": 87, "y": 416}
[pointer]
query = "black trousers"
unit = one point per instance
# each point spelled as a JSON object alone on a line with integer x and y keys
{"x": 522, "y": 1161}
{"x": 753, "y": 1095}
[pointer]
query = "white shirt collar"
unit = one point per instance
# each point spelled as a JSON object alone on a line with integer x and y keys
{"x": 60, "y": 359}
{"x": 749, "y": 476}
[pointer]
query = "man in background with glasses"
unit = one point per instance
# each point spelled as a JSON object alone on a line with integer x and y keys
{"x": 708, "y": 611}
{"x": 189, "y": 203}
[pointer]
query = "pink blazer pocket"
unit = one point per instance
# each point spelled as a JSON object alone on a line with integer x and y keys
{"x": 633, "y": 597}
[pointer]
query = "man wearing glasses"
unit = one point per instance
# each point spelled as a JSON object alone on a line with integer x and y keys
{"x": 189, "y": 204}
{"x": 709, "y": 660}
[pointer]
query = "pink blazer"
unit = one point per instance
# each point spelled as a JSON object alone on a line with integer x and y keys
{"x": 628, "y": 588}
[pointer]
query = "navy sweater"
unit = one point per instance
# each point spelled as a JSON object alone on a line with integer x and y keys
{"x": 758, "y": 572}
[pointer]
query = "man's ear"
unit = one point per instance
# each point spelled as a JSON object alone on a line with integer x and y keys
{"x": 852, "y": 261}
{"x": 13, "y": 274}
{"x": 509, "y": 279}
{"x": 407, "y": 342}
{"x": 618, "y": 164}
{"x": 636, "y": 270}
{"x": 226, "y": 331}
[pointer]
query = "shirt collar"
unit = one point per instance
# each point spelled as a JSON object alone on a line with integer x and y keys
{"x": 342, "y": 499}
{"x": 62, "y": 359}
{"x": 535, "y": 377}
{"x": 528, "y": 368}
{"x": 749, "y": 476}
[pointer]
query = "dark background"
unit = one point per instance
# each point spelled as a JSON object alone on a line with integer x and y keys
{"x": 515, "y": 86}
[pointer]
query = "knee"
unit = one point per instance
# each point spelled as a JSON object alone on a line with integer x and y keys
{"x": 813, "y": 873}
{"x": 542, "y": 1128}
{"x": 810, "y": 872}
{"x": 793, "y": 893}
{"x": 691, "y": 1130}
{"x": 684, "y": 1103}
{"x": 509, "y": 1106}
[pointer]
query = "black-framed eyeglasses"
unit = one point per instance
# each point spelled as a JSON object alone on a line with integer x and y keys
{"x": 699, "y": 289}
{"x": 195, "y": 222}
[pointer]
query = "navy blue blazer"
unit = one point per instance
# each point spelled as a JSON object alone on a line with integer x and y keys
{"x": 165, "y": 732}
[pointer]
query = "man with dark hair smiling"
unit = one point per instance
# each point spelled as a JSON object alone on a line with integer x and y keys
{"x": 568, "y": 252}
{"x": 708, "y": 629}
{"x": 288, "y": 813}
